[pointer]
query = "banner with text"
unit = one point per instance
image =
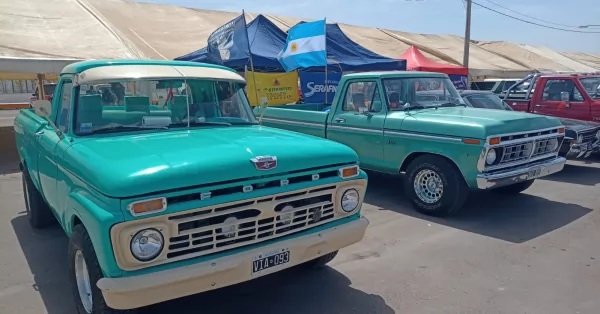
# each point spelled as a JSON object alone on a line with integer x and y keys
{"x": 279, "y": 88}
{"x": 313, "y": 86}
{"x": 459, "y": 81}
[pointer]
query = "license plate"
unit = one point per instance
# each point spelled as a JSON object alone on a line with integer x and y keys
{"x": 261, "y": 263}
{"x": 534, "y": 173}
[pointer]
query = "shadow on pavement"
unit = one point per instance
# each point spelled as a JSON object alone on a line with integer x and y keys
{"x": 9, "y": 158}
{"x": 576, "y": 174}
{"x": 518, "y": 218}
{"x": 46, "y": 254}
{"x": 321, "y": 291}
{"x": 291, "y": 291}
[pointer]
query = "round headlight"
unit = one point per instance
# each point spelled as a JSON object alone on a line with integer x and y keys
{"x": 350, "y": 200}
{"x": 147, "y": 244}
{"x": 553, "y": 145}
{"x": 229, "y": 231}
{"x": 491, "y": 156}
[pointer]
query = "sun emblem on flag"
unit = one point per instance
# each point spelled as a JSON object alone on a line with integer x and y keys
{"x": 294, "y": 47}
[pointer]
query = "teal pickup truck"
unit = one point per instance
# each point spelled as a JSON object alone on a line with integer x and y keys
{"x": 167, "y": 186}
{"x": 417, "y": 123}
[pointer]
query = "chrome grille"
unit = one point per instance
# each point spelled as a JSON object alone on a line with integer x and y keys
{"x": 543, "y": 147}
{"x": 515, "y": 153}
{"x": 211, "y": 230}
{"x": 589, "y": 136}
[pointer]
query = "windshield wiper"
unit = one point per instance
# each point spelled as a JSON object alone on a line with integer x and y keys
{"x": 195, "y": 123}
{"x": 450, "y": 104}
{"x": 120, "y": 128}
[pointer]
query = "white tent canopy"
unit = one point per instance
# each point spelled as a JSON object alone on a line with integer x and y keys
{"x": 49, "y": 32}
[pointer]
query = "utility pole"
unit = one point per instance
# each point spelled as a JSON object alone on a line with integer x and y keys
{"x": 467, "y": 36}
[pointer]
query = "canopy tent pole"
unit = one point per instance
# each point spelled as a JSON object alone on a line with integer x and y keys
{"x": 326, "y": 83}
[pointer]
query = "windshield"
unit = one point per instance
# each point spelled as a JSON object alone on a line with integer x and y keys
{"x": 487, "y": 101}
{"x": 408, "y": 93}
{"x": 591, "y": 86}
{"x": 151, "y": 104}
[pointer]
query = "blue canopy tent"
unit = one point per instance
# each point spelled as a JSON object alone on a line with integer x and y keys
{"x": 266, "y": 41}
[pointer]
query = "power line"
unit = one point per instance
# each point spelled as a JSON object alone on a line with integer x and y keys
{"x": 531, "y": 17}
{"x": 528, "y": 22}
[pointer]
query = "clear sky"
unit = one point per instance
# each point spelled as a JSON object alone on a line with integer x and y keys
{"x": 438, "y": 17}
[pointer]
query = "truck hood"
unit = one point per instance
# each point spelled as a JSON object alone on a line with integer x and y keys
{"x": 578, "y": 125}
{"x": 130, "y": 165}
{"x": 475, "y": 122}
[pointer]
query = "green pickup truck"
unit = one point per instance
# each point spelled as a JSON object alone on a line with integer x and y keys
{"x": 417, "y": 123}
{"x": 167, "y": 186}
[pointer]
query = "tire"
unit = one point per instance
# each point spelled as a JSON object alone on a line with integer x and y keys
{"x": 515, "y": 188}
{"x": 39, "y": 213}
{"x": 81, "y": 249}
{"x": 435, "y": 172}
{"x": 321, "y": 261}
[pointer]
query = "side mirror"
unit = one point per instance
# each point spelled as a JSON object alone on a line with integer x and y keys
{"x": 42, "y": 108}
{"x": 363, "y": 110}
{"x": 564, "y": 96}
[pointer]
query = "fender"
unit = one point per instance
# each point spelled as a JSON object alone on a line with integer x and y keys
{"x": 98, "y": 223}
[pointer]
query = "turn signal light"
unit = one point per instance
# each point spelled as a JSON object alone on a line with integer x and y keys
{"x": 349, "y": 172}
{"x": 471, "y": 141}
{"x": 494, "y": 141}
{"x": 148, "y": 206}
{"x": 561, "y": 130}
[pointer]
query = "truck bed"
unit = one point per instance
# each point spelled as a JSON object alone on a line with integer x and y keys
{"x": 303, "y": 118}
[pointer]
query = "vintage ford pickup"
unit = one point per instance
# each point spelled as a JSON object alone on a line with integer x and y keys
{"x": 443, "y": 146}
{"x": 166, "y": 185}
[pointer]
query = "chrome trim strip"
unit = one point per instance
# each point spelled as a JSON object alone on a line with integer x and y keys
{"x": 422, "y": 136}
{"x": 294, "y": 122}
{"x": 520, "y": 162}
{"x": 524, "y": 140}
{"x": 525, "y": 132}
{"x": 339, "y": 127}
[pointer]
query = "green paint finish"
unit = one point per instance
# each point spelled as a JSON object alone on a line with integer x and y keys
{"x": 386, "y": 140}
{"x": 78, "y": 67}
{"x": 91, "y": 179}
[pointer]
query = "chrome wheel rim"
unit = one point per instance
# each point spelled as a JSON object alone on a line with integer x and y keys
{"x": 428, "y": 186}
{"x": 83, "y": 282}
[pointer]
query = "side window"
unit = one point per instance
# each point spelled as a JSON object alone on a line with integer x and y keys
{"x": 554, "y": 88}
{"x": 520, "y": 91}
{"x": 362, "y": 94}
{"x": 64, "y": 109}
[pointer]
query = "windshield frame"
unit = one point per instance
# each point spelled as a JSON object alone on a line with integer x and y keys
{"x": 243, "y": 104}
{"x": 596, "y": 78}
{"x": 448, "y": 87}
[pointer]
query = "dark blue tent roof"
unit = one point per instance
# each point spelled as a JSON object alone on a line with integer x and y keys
{"x": 267, "y": 40}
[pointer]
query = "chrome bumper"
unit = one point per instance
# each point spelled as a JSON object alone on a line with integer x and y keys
{"x": 584, "y": 150}
{"x": 498, "y": 179}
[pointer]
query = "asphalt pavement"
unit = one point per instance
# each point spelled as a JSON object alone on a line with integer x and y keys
{"x": 532, "y": 253}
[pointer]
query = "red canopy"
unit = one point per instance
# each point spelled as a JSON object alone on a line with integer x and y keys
{"x": 416, "y": 61}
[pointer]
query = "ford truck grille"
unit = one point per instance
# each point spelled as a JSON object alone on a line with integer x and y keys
{"x": 589, "y": 136}
{"x": 519, "y": 149}
{"x": 217, "y": 229}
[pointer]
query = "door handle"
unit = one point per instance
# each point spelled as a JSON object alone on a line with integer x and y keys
{"x": 340, "y": 120}
{"x": 38, "y": 134}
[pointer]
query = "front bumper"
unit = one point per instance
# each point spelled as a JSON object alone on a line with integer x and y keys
{"x": 143, "y": 290}
{"x": 583, "y": 150}
{"x": 513, "y": 176}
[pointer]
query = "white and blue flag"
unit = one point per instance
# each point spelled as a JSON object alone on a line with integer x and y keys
{"x": 305, "y": 46}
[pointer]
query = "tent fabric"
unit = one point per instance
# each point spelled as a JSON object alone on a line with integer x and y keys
{"x": 522, "y": 56}
{"x": 482, "y": 63}
{"x": 117, "y": 29}
{"x": 587, "y": 59}
{"x": 416, "y": 61}
{"x": 266, "y": 41}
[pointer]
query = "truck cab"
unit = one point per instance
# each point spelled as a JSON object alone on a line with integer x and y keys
{"x": 167, "y": 186}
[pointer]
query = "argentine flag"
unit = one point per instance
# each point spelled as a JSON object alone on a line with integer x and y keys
{"x": 305, "y": 46}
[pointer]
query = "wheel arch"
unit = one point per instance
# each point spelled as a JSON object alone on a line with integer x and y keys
{"x": 414, "y": 155}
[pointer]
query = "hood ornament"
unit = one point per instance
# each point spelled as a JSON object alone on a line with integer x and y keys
{"x": 265, "y": 162}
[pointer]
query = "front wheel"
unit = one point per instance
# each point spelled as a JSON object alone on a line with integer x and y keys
{"x": 515, "y": 188}
{"x": 85, "y": 272}
{"x": 435, "y": 186}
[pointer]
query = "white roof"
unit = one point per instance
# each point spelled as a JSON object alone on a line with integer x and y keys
{"x": 154, "y": 72}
